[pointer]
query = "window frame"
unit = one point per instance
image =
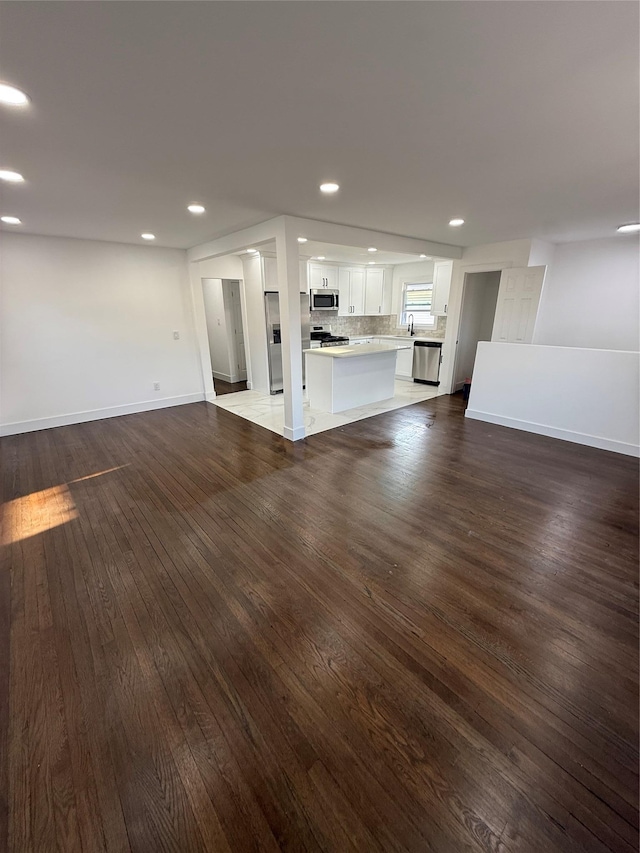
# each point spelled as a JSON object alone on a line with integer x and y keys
{"x": 401, "y": 314}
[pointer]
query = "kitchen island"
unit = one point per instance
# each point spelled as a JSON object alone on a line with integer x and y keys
{"x": 341, "y": 378}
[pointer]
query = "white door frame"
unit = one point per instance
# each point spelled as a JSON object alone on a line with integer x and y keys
{"x": 454, "y": 317}
{"x": 465, "y": 285}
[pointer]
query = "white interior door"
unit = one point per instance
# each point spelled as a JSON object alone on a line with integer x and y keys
{"x": 235, "y": 332}
{"x": 518, "y": 301}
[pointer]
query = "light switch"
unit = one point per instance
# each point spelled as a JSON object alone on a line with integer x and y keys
{"x": 176, "y": 336}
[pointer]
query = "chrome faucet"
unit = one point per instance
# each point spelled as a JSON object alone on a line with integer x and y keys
{"x": 410, "y": 327}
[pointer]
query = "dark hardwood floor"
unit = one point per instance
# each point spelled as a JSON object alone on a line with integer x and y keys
{"x": 413, "y": 633}
{"x": 222, "y": 387}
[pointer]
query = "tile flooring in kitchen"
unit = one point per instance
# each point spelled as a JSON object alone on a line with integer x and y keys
{"x": 267, "y": 410}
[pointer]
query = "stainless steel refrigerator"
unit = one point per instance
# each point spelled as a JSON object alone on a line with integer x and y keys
{"x": 274, "y": 343}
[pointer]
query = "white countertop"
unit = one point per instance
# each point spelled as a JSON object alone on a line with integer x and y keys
{"x": 409, "y": 339}
{"x": 357, "y": 350}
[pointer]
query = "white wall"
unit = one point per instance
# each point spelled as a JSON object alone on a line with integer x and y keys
{"x": 588, "y": 396}
{"x": 87, "y": 328}
{"x": 591, "y": 295}
{"x": 513, "y": 253}
{"x": 216, "y": 315}
{"x": 227, "y": 266}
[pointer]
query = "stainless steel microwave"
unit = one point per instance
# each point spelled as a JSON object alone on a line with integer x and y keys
{"x": 324, "y": 300}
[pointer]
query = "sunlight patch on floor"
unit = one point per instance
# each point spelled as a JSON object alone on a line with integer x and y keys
{"x": 36, "y": 513}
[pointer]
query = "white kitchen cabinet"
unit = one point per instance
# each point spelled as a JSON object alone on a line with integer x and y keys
{"x": 404, "y": 363}
{"x": 322, "y": 275}
{"x": 304, "y": 277}
{"x": 269, "y": 273}
{"x": 351, "y": 284}
{"x": 357, "y": 341}
{"x": 442, "y": 271}
{"x": 378, "y": 288}
{"x": 374, "y": 291}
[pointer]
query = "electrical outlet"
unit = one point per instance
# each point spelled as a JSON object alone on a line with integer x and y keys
{"x": 176, "y": 336}
{"x": 156, "y": 386}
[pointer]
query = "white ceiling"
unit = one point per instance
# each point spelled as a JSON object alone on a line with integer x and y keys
{"x": 522, "y": 118}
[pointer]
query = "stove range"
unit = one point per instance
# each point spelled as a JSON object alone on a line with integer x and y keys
{"x": 321, "y": 336}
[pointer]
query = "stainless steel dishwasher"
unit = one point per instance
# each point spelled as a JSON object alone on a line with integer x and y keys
{"x": 427, "y": 356}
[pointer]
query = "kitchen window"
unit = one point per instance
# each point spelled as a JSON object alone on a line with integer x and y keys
{"x": 416, "y": 300}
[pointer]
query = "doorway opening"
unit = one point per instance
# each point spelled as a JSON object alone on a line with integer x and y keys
{"x": 225, "y": 330}
{"x": 479, "y": 302}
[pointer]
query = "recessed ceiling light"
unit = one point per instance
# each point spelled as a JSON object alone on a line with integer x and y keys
{"x": 329, "y": 187}
{"x": 320, "y": 258}
{"x": 426, "y": 257}
{"x": 252, "y": 251}
{"x": 12, "y": 97}
{"x": 372, "y": 249}
{"x": 10, "y": 220}
{"x": 629, "y": 227}
{"x": 456, "y": 222}
{"x": 371, "y": 262}
{"x": 148, "y": 236}
{"x": 12, "y": 177}
{"x": 196, "y": 208}
{"x": 302, "y": 239}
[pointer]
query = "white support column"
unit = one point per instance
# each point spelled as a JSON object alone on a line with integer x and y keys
{"x": 202, "y": 336}
{"x": 291, "y": 333}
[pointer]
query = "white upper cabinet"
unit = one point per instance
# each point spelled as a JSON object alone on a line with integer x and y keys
{"x": 442, "y": 271}
{"x": 351, "y": 286}
{"x": 304, "y": 277}
{"x": 374, "y": 294}
{"x": 364, "y": 291}
{"x": 321, "y": 275}
{"x": 269, "y": 273}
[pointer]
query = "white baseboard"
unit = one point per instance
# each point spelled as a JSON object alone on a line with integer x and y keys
{"x": 556, "y": 432}
{"x": 99, "y": 414}
{"x": 231, "y": 378}
{"x": 294, "y": 434}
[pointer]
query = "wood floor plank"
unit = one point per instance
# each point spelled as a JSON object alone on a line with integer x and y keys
{"x": 412, "y": 633}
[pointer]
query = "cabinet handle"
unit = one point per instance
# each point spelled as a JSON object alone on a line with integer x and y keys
{"x": 445, "y": 307}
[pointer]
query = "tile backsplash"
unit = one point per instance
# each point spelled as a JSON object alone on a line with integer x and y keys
{"x": 359, "y": 327}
